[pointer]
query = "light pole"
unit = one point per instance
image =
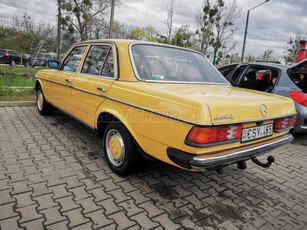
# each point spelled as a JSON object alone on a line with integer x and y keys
{"x": 246, "y": 26}
{"x": 111, "y": 19}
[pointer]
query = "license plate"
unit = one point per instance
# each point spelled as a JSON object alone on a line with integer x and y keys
{"x": 254, "y": 133}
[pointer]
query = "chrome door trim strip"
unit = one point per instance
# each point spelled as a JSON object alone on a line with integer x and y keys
{"x": 169, "y": 116}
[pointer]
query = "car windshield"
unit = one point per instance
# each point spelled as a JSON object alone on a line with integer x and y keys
{"x": 160, "y": 63}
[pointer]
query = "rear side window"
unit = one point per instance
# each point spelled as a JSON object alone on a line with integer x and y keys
{"x": 99, "y": 61}
{"x": 300, "y": 79}
{"x": 72, "y": 61}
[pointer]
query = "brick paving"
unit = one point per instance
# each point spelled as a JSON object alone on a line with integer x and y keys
{"x": 53, "y": 176}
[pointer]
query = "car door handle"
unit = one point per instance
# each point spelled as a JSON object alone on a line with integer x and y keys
{"x": 68, "y": 80}
{"x": 102, "y": 89}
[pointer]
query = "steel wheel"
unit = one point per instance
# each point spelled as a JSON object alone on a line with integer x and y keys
{"x": 119, "y": 148}
{"x": 115, "y": 147}
{"x": 43, "y": 107}
{"x": 39, "y": 100}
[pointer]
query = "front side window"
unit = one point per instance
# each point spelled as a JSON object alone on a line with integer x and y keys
{"x": 160, "y": 63}
{"x": 72, "y": 61}
{"x": 99, "y": 61}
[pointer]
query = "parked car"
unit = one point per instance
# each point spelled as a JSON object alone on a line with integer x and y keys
{"x": 288, "y": 81}
{"x": 164, "y": 102}
{"x": 49, "y": 57}
{"x": 12, "y": 57}
{"x": 38, "y": 60}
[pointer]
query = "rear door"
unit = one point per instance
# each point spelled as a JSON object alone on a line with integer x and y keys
{"x": 91, "y": 84}
{"x": 298, "y": 74}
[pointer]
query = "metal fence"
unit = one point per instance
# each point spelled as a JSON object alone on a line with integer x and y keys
{"x": 19, "y": 24}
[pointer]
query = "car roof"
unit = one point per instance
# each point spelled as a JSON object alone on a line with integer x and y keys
{"x": 127, "y": 42}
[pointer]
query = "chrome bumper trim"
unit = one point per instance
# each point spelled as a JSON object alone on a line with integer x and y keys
{"x": 245, "y": 154}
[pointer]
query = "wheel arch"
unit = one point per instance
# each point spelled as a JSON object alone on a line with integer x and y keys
{"x": 38, "y": 84}
{"x": 108, "y": 115}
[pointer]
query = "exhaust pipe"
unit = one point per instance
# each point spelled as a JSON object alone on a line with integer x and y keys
{"x": 241, "y": 165}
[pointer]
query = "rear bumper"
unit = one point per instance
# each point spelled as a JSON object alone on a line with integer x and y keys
{"x": 192, "y": 161}
{"x": 300, "y": 125}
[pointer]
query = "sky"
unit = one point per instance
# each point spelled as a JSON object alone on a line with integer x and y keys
{"x": 270, "y": 25}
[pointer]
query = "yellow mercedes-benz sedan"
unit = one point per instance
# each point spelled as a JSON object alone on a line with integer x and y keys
{"x": 164, "y": 102}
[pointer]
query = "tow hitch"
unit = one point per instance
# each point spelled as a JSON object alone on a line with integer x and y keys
{"x": 270, "y": 160}
{"x": 242, "y": 164}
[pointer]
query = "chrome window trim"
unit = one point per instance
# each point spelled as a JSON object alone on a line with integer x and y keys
{"x": 169, "y": 116}
{"x": 97, "y": 76}
{"x": 168, "y": 46}
{"x": 66, "y": 56}
{"x": 115, "y": 59}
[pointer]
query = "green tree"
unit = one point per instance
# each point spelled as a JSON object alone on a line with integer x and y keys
{"x": 267, "y": 55}
{"x": 292, "y": 47}
{"x": 79, "y": 15}
{"x": 184, "y": 38}
{"x": 217, "y": 27}
{"x": 25, "y": 36}
{"x": 147, "y": 33}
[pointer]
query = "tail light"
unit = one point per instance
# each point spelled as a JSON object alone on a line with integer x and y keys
{"x": 201, "y": 135}
{"x": 284, "y": 123}
{"x": 299, "y": 97}
{"x": 42, "y": 59}
{"x": 7, "y": 53}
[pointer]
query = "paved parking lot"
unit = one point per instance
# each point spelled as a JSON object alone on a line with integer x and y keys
{"x": 53, "y": 176}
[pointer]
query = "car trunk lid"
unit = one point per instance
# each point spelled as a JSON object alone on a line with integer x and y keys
{"x": 229, "y": 104}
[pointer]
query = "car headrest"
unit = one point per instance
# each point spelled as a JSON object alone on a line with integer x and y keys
{"x": 192, "y": 73}
{"x": 265, "y": 78}
{"x": 251, "y": 76}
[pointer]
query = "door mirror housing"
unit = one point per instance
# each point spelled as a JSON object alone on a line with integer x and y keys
{"x": 53, "y": 64}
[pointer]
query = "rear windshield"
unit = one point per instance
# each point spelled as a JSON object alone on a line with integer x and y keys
{"x": 160, "y": 63}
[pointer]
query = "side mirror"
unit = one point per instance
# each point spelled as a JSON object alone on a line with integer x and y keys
{"x": 53, "y": 64}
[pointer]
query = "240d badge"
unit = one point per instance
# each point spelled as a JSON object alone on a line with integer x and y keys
{"x": 223, "y": 116}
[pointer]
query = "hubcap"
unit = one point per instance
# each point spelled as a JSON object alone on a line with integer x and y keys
{"x": 40, "y": 100}
{"x": 115, "y": 147}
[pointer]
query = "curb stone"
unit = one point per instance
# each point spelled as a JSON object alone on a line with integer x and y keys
{"x": 16, "y": 103}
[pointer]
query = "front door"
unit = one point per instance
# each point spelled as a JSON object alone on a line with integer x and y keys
{"x": 62, "y": 79}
